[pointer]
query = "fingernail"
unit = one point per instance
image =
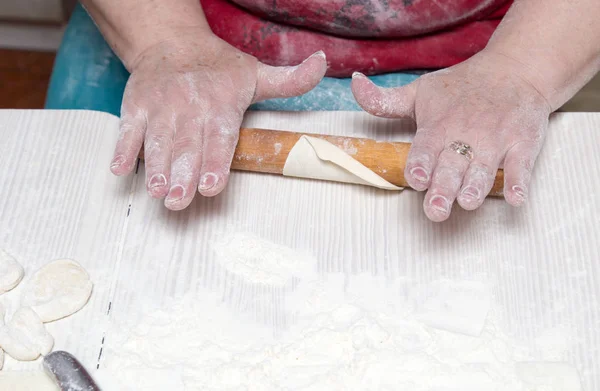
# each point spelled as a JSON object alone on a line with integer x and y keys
{"x": 439, "y": 203}
{"x": 157, "y": 180}
{"x": 320, "y": 53}
{"x": 117, "y": 161}
{"x": 519, "y": 191}
{"x": 357, "y": 74}
{"x": 208, "y": 181}
{"x": 176, "y": 193}
{"x": 471, "y": 192}
{"x": 419, "y": 174}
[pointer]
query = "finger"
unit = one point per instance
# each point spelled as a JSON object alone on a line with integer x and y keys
{"x": 132, "y": 129}
{"x": 445, "y": 184}
{"x": 422, "y": 158}
{"x": 158, "y": 148}
{"x": 518, "y": 166}
{"x": 479, "y": 178}
{"x": 285, "y": 82}
{"x": 220, "y": 139}
{"x": 185, "y": 162}
{"x": 397, "y": 102}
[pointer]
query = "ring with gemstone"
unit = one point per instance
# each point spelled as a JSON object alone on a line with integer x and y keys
{"x": 461, "y": 148}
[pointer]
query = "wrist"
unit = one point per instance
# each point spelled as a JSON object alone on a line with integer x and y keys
{"x": 538, "y": 81}
{"x": 131, "y": 27}
{"x": 171, "y": 45}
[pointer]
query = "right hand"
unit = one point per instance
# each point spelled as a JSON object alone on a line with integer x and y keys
{"x": 185, "y": 102}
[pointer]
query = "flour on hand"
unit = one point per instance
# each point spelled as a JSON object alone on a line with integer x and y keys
{"x": 11, "y": 272}
{"x": 58, "y": 290}
{"x": 25, "y": 337}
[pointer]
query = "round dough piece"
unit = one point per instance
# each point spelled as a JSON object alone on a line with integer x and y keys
{"x": 58, "y": 290}
{"x": 11, "y": 272}
{"x": 25, "y": 337}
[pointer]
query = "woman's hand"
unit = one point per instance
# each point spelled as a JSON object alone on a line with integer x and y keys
{"x": 185, "y": 101}
{"x": 486, "y": 102}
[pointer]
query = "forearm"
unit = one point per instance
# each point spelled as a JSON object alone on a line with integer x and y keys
{"x": 132, "y": 26}
{"x": 557, "y": 42}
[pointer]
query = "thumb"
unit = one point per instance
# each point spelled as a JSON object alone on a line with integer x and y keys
{"x": 397, "y": 102}
{"x": 285, "y": 82}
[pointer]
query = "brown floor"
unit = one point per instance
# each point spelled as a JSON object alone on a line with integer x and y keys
{"x": 24, "y": 78}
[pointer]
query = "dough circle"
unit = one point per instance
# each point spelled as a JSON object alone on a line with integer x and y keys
{"x": 58, "y": 290}
{"x": 25, "y": 337}
{"x": 11, "y": 272}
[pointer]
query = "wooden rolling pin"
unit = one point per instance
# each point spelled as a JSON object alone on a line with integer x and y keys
{"x": 262, "y": 150}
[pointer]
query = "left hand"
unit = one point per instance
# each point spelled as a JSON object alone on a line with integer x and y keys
{"x": 487, "y": 102}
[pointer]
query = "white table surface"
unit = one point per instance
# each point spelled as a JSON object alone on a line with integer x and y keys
{"x": 58, "y": 200}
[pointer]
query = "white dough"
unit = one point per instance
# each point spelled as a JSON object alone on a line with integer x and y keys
{"x": 549, "y": 376}
{"x": 25, "y": 337}
{"x": 316, "y": 158}
{"x": 58, "y": 290}
{"x": 26, "y": 381}
{"x": 11, "y": 272}
{"x": 1, "y": 358}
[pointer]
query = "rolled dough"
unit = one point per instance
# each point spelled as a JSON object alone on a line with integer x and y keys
{"x": 25, "y": 337}
{"x": 11, "y": 272}
{"x": 26, "y": 381}
{"x": 316, "y": 158}
{"x": 58, "y": 290}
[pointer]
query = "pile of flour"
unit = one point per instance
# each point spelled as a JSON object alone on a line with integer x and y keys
{"x": 352, "y": 333}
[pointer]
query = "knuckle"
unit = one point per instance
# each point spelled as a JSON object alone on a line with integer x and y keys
{"x": 479, "y": 174}
{"x": 224, "y": 128}
{"x": 527, "y": 164}
{"x": 158, "y": 138}
{"x": 160, "y": 127}
{"x": 132, "y": 124}
{"x": 191, "y": 123}
{"x": 427, "y": 140}
{"x": 128, "y": 128}
{"x": 424, "y": 147}
{"x": 447, "y": 171}
{"x": 154, "y": 165}
{"x": 420, "y": 158}
{"x": 157, "y": 144}
{"x": 188, "y": 140}
{"x": 481, "y": 168}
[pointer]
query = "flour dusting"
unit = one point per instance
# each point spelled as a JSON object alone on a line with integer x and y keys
{"x": 357, "y": 332}
{"x": 259, "y": 261}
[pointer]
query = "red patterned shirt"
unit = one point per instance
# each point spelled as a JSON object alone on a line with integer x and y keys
{"x": 371, "y": 36}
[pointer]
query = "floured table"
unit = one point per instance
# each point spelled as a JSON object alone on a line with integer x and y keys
{"x": 291, "y": 283}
